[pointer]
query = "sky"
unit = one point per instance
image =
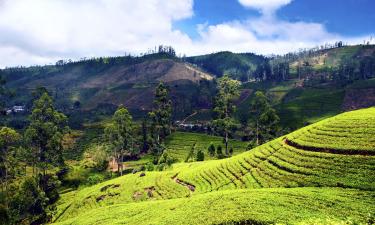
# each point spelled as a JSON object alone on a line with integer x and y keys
{"x": 38, "y": 32}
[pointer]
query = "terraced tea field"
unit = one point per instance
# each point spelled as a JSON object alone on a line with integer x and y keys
{"x": 180, "y": 143}
{"x": 323, "y": 173}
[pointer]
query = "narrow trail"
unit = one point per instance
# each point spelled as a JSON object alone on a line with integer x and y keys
{"x": 195, "y": 113}
{"x": 187, "y": 185}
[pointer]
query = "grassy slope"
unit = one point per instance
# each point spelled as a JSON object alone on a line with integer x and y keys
{"x": 289, "y": 206}
{"x": 273, "y": 165}
{"x": 180, "y": 143}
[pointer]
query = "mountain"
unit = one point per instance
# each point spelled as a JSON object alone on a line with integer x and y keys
{"x": 105, "y": 83}
{"x": 304, "y": 87}
{"x": 310, "y": 174}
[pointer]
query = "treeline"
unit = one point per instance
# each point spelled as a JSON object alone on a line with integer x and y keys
{"x": 91, "y": 65}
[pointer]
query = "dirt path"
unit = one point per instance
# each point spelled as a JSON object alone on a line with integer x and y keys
{"x": 195, "y": 113}
{"x": 187, "y": 185}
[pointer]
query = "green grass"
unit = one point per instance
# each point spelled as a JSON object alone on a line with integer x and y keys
{"x": 323, "y": 177}
{"x": 179, "y": 144}
{"x": 261, "y": 206}
{"x": 309, "y": 105}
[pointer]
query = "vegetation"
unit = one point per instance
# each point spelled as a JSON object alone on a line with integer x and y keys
{"x": 120, "y": 136}
{"x": 320, "y": 177}
{"x": 321, "y": 173}
{"x": 224, "y": 107}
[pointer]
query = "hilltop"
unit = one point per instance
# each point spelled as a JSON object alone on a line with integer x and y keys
{"x": 304, "y": 87}
{"x": 105, "y": 83}
{"x": 308, "y": 176}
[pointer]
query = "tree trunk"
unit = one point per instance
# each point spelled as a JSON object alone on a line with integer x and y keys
{"x": 226, "y": 143}
{"x": 257, "y": 133}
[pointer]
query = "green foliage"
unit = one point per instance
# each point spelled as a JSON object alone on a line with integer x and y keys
{"x": 200, "y": 155}
{"x": 264, "y": 119}
{"x": 165, "y": 161}
{"x": 239, "y": 66}
{"x": 8, "y": 137}
{"x": 251, "y": 206}
{"x": 28, "y": 203}
{"x": 45, "y": 133}
{"x": 95, "y": 179}
{"x": 120, "y": 135}
{"x": 228, "y": 90}
{"x": 191, "y": 153}
{"x": 211, "y": 149}
{"x": 219, "y": 151}
{"x": 179, "y": 144}
{"x": 274, "y": 181}
{"x": 161, "y": 115}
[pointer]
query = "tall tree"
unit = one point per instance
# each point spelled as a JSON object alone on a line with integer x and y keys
{"x": 45, "y": 134}
{"x": 263, "y": 117}
{"x": 160, "y": 117}
{"x": 120, "y": 135}
{"x": 228, "y": 91}
{"x": 8, "y": 137}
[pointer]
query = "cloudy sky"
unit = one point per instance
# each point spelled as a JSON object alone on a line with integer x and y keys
{"x": 44, "y": 31}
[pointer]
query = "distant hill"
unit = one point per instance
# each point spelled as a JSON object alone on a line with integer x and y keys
{"x": 239, "y": 66}
{"x": 107, "y": 83}
{"x": 304, "y": 87}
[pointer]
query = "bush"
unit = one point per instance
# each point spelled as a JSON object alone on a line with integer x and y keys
{"x": 29, "y": 203}
{"x": 4, "y": 215}
{"x": 252, "y": 144}
{"x": 200, "y": 155}
{"x": 150, "y": 166}
{"x": 75, "y": 177}
{"x": 231, "y": 151}
{"x": 219, "y": 150}
{"x": 211, "y": 149}
{"x": 95, "y": 179}
{"x": 50, "y": 184}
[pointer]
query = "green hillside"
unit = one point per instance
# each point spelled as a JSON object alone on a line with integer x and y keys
{"x": 179, "y": 144}
{"x": 97, "y": 86}
{"x": 313, "y": 174}
{"x": 239, "y": 66}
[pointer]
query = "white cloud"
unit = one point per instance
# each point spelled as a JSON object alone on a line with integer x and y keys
{"x": 40, "y": 31}
{"x": 266, "y": 6}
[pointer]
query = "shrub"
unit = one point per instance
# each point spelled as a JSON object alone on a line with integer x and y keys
{"x": 29, "y": 202}
{"x": 219, "y": 150}
{"x": 200, "y": 155}
{"x": 211, "y": 149}
{"x": 252, "y": 144}
{"x": 231, "y": 151}
{"x": 150, "y": 166}
{"x": 95, "y": 179}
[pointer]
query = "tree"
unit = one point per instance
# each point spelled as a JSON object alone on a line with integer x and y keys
{"x": 191, "y": 153}
{"x": 45, "y": 134}
{"x": 200, "y": 155}
{"x": 8, "y": 137}
{"x": 219, "y": 151}
{"x": 264, "y": 118}
{"x": 211, "y": 149}
{"x": 160, "y": 118}
{"x": 120, "y": 135}
{"x": 228, "y": 91}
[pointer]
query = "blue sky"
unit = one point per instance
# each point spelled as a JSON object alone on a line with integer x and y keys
{"x": 346, "y": 17}
{"x": 42, "y": 32}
